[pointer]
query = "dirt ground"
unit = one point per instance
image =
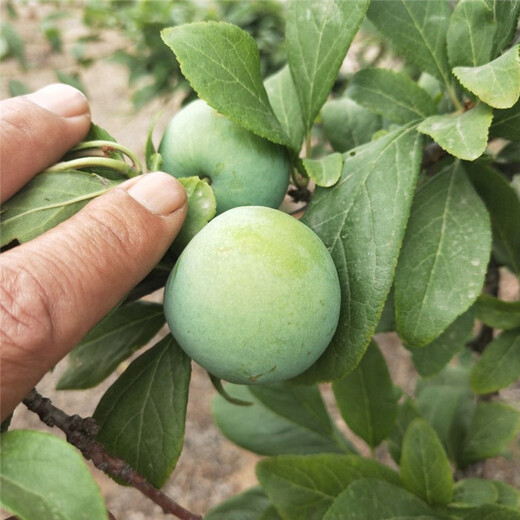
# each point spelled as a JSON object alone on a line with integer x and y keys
{"x": 210, "y": 468}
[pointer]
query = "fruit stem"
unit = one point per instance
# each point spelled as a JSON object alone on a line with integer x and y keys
{"x": 299, "y": 180}
{"x": 308, "y": 145}
{"x": 109, "y": 146}
{"x": 93, "y": 162}
{"x": 453, "y": 97}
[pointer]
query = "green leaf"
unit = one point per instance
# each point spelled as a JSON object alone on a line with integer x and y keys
{"x": 496, "y": 83}
{"x": 249, "y": 505}
{"x": 15, "y": 43}
{"x": 507, "y": 495}
{"x": 202, "y": 207}
{"x": 496, "y": 313}
{"x": 153, "y": 159}
{"x": 463, "y": 135}
{"x": 431, "y": 85}
{"x": 452, "y": 377}
{"x": 492, "y": 427}
{"x": 110, "y": 342}
{"x": 473, "y": 492}
{"x": 418, "y": 31}
{"x": 222, "y": 63}
{"x": 305, "y": 486}
{"x": 326, "y": 171}
{"x": 97, "y": 133}
{"x": 387, "y": 319}
{"x": 506, "y": 123}
{"x": 493, "y": 512}
{"x": 406, "y": 413}
{"x": 509, "y": 153}
{"x": 433, "y": 357}
{"x": 42, "y": 476}
{"x": 378, "y": 500}
{"x": 142, "y": 415}
{"x": 446, "y": 402}
{"x": 393, "y": 95}
{"x": 361, "y": 220}
{"x": 18, "y": 88}
{"x": 503, "y": 205}
{"x": 505, "y": 13}
{"x": 347, "y": 124}
{"x": 284, "y": 100}
{"x": 318, "y": 35}
{"x": 284, "y": 419}
{"x": 425, "y": 469}
{"x": 471, "y": 33}
{"x": 444, "y": 257}
{"x": 74, "y": 80}
{"x": 365, "y": 398}
{"x": 47, "y": 200}
{"x": 302, "y": 405}
{"x": 499, "y": 365}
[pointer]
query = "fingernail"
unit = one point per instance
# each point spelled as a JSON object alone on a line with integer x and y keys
{"x": 63, "y": 100}
{"x": 158, "y": 192}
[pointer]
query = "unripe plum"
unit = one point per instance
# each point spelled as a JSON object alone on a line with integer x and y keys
{"x": 243, "y": 168}
{"x": 254, "y": 297}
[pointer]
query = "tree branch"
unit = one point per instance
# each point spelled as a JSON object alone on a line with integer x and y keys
{"x": 110, "y": 517}
{"x": 80, "y": 433}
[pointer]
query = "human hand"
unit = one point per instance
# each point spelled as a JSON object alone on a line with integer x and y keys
{"x": 56, "y": 287}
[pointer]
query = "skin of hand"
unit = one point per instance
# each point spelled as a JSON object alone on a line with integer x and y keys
{"x": 55, "y": 288}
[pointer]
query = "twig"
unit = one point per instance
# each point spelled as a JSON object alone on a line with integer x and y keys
{"x": 110, "y": 517}
{"x": 80, "y": 433}
{"x": 432, "y": 154}
{"x": 491, "y": 285}
{"x": 481, "y": 341}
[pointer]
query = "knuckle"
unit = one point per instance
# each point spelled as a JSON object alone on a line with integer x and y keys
{"x": 25, "y": 313}
{"x": 17, "y": 124}
{"x": 115, "y": 233}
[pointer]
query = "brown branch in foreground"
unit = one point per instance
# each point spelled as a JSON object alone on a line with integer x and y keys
{"x": 80, "y": 433}
{"x": 110, "y": 517}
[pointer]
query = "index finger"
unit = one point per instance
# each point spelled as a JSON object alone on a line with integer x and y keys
{"x": 37, "y": 130}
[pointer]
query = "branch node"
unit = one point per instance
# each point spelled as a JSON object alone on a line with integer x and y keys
{"x": 80, "y": 432}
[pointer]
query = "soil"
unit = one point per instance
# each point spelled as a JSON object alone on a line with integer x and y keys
{"x": 210, "y": 468}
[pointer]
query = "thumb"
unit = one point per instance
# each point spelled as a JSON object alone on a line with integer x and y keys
{"x": 59, "y": 285}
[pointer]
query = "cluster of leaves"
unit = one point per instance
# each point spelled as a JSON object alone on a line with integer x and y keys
{"x": 151, "y": 71}
{"x": 312, "y": 471}
{"x": 416, "y": 202}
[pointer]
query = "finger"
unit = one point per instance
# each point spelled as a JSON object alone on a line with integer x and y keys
{"x": 59, "y": 285}
{"x": 37, "y": 130}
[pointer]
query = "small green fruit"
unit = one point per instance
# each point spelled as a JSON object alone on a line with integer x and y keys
{"x": 254, "y": 297}
{"x": 243, "y": 169}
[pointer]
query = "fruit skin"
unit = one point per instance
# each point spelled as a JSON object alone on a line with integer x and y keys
{"x": 254, "y": 297}
{"x": 243, "y": 169}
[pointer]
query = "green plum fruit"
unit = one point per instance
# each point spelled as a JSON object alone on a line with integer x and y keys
{"x": 254, "y": 297}
{"x": 243, "y": 169}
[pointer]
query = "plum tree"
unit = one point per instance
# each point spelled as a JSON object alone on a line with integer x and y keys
{"x": 243, "y": 169}
{"x": 254, "y": 297}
